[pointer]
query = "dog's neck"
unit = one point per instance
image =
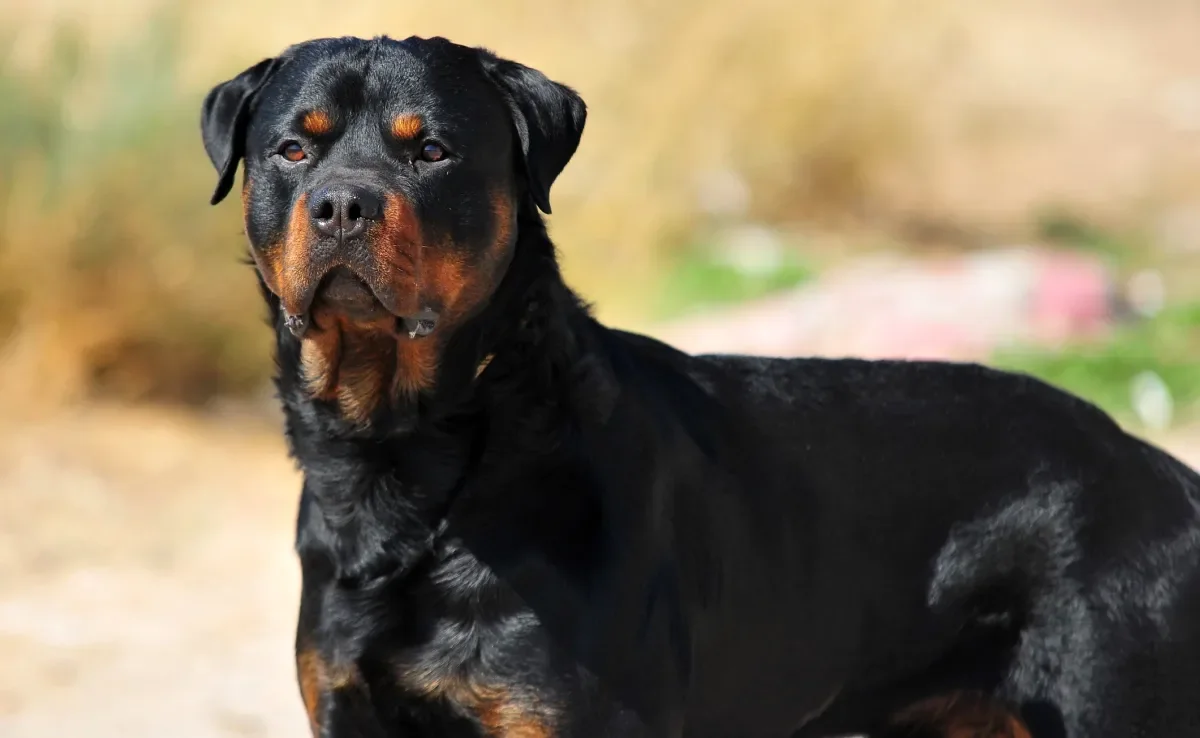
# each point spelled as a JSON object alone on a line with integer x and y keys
{"x": 507, "y": 378}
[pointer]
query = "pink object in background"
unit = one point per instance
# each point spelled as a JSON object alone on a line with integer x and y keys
{"x": 959, "y": 308}
{"x": 1071, "y": 298}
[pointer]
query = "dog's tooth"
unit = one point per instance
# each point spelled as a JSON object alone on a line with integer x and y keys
{"x": 421, "y": 325}
{"x": 417, "y": 327}
{"x": 296, "y": 324}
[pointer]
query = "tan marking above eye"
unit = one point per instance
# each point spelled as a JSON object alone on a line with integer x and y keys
{"x": 316, "y": 123}
{"x": 407, "y": 126}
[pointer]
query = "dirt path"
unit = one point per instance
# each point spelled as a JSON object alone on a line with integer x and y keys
{"x": 147, "y": 585}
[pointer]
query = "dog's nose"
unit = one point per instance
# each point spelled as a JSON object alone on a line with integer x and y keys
{"x": 344, "y": 211}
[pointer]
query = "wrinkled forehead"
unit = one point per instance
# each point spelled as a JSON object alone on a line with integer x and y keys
{"x": 358, "y": 81}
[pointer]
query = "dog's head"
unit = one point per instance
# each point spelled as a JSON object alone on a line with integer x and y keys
{"x": 383, "y": 181}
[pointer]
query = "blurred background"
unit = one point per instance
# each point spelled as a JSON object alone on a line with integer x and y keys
{"x": 1008, "y": 181}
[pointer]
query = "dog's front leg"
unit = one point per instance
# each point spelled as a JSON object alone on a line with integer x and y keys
{"x": 336, "y": 698}
{"x": 957, "y": 714}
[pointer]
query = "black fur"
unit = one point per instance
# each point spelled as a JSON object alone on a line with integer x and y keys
{"x": 604, "y": 536}
{"x": 223, "y": 122}
{"x": 547, "y": 117}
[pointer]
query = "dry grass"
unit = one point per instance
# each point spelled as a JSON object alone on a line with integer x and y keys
{"x": 116, "y": 278}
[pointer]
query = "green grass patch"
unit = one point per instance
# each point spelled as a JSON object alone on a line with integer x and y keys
{"x": 1167, "y": 344}
{"x": 701, "y": 277}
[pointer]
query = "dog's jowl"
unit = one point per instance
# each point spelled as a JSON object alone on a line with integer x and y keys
{"x": 518, "y": 523}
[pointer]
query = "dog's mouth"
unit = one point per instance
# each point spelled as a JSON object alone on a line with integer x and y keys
{"x": 343, "y": 291}
{"x": 348, "y": 295}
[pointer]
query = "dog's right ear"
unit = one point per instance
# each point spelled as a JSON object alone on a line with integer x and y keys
{"x": 547, "y": 117}
{"x": 224, "y": 120}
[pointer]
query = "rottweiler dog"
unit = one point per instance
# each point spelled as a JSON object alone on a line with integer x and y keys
{"x": 518, "y": 523}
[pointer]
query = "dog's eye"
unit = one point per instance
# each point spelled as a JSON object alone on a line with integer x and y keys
{"x": 432, "y": 152}
{"x": 292, "y": 151}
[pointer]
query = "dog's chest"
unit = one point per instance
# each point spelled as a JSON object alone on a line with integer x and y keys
{"x": 482, "y": 656}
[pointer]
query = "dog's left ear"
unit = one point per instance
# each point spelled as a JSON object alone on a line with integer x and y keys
{"x": 548, "y": 118}
{"x": 225, "y": 117}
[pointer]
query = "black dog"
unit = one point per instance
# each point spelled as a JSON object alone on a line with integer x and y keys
{"x": 518, "y": 523}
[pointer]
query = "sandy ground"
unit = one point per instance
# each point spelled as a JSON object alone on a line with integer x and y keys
{"x": 147, "y": 584}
